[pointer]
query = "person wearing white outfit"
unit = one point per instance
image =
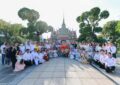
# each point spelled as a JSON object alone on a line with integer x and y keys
{"x": 35, "y": 57}
{"x": 48, "y": 46}
{"x": 101, "y": 61}
{"x": 108, "y": 47}
{"x": 96, "y": 57}
{"x": 3, "y": 49}
{"x": 22, "y": 48}
{"x": 98, "y": 48}
{"x": 113, "y": 50}
{"x": 103, "y": 58}
{"x": 55, "y": 53}
{"x": 40, "y": 56}
{"x": 76, "y": 54}
{"x": 32, "y": 47}
{"x": 27, "y": 45}
{"x": 71, "y": 54}
{"x": 110, "y": 63}
{"x": 27, "y": 58}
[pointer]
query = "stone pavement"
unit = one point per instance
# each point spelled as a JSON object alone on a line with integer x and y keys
{"x": 63, "y": 71}
{"x": 8, "y": 77}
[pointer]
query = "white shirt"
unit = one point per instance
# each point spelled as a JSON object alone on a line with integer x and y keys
{"x": 2, "y": 49}
{"x": 110, "y": 62}
{"x": 27, "y": 56}
{"x": 108, "y": 48}
{"x": 40, "y": 55}
{"x": 105, "y": 58}
{"x": 97, "y": 56}
{"x": 98, "y": 48}
{"x": 48, "y": 46}
{"x": 113, "y": 49}
{"x": 32, "y": 47}
{"x": 86, "y": 48}
{"x": 27, "y": 47}
{"x": 104, "y": 48}
{"x": 22, "y": 48}
{"x": 55, "y": 53}
{"x": 34, "y": 55}
{"x": 75, "y": 50}
{"x": 101, "y": 58}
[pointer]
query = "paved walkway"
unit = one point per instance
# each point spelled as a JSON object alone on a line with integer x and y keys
{"x": 62, "y": 71}
{"x": 8, "y": 77}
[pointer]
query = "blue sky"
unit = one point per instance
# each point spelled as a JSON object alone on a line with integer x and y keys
{"x": 52, "y": 11}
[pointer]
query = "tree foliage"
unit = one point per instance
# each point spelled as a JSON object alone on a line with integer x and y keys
{"x": 9, "y": 31}
{"x": 112, "y": 31}
{"x": 28, "y": 14}
{"x": 31, "y": 16}
{"x": 89, "y": 23}
{"x": 12, "y": 33}
{"x": 50, "y": 29}
{"x": 41, "y": 27}
{"x": 35, "y": 28}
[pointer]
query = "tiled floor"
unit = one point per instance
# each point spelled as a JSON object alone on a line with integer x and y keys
{"x": 62, "y": 71}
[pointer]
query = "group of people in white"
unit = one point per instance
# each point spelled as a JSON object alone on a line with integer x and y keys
{"x": 23, "y": 55}
{"x": 103, "y": 55}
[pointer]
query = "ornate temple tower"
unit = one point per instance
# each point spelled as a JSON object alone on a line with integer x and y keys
{"x": 63, "y": 33}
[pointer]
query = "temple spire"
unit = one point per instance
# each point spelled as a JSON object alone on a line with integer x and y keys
{"x": 63, "y": 20}
{"x": 63, "y": 24}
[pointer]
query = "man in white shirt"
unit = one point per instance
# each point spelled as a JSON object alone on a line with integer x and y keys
{"x": 107, "y": 47}
{"x": 27, "y": 45}
{"x": 110, "y": 63}
{"x": 32, "y": 46}
{"x": 3, "y": 49}
{"x": 98, "y": 48}
{"x": 96, "y": 57}
{"x": 40, "y": 56}
{"x": 102, "y": 59}
{"x": 27, "y": 58}
{"x": 35, "y": 57}
{"x": 22, "y": 48}
{"x": 113, "y": 50}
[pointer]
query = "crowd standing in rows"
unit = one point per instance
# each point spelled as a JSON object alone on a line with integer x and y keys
{"x": 35, "y": 53}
